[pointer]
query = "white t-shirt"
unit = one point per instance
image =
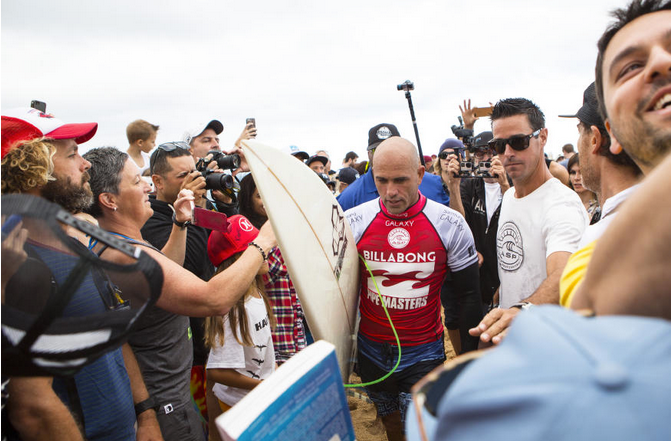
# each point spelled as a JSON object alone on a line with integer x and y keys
{"x": 146, "y": 158}
{"x": 550, "y": 219}
{"x": 255, "y": 362}
{"x": 493, "y": 198}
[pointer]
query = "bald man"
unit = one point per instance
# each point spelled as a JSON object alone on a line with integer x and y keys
{"x": 409, "y": 243}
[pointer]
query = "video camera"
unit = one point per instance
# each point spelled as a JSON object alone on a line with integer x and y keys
{"x": 467, "y": 166}
{"x": 407, "y": 85}
{"x": 215, "y": 180}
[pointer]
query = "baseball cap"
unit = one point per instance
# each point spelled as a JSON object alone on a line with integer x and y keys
{"x": 482, "y": 139}
{"x": 199, "y": 128}
{"x": 560, "y": 376}
{"x": 589, "y": 112}
{"x": 221, "y": 246}
{"x": 26, "y": 123}
{"x": 451, "y": 143}
{"x": 295, "y": 151}
{"x": 322, "y": 159}
{"x": 379, "y": 133}
{"x": 348, "y": 175}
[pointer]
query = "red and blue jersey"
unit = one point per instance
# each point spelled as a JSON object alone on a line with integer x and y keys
{"x": 409, "y": 255}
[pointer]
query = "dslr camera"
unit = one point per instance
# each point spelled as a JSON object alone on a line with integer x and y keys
{"x": 216, "y": 180}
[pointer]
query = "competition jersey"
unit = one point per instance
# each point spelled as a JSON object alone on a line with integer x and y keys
{"x": 409, "y": 255}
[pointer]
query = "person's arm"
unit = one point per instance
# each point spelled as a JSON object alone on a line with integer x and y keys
{"x": 559, "y": 171}
{"x": 37, "y": 413}
{"x": 453, "y": 184}
{"x": 495, "y": 324}
{"x": 629, "y": 271}
{"x": 232, "y": 378}
{"x": 185, "y": 294}
{"x": 499, "y": 172}
{"x": 175, "y": 247}
{"x": 147, "y": 424}
{"x": 466, "y": 285}
{"x": 468, "y": 115}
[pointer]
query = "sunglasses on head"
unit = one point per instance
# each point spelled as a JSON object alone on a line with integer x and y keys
{"x": 517, "y": 142}
{"x": 170, "y": 146}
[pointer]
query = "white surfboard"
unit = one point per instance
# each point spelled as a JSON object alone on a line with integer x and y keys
{"x": 316, "y": 242}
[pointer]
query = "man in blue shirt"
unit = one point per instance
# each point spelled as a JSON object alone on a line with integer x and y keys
{"x": 364, "y": 190}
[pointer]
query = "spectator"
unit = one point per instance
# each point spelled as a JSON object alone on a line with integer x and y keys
{"x": 587, "y": 196}
{"x": 296, "y": 153}
{"x": 142, "y": 140}
{"x": 350, "y": 159}
{"x": 317, "y": 163}
{"x": 633, "y": 95}
{"x": 346, "y": 177}
{"x": 364, "y": 189}
{"x": 567, "y": 152}
{"x": 541, "y": 220}
{"x": 410, "y": 242}
{"x": 101, "y": 395}
{"x": 203, "y": 137}
{"x": 612, "y": 176}
{"x": 361, "y": 167}
{"x": 327, "y": 166}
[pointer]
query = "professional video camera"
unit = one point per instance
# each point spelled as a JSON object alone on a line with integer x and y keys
{"x": 407, "y": 85}
{"x": 468, "y": 168}
{"x": 466, "y": 135}
{"x": 215, "y": 180}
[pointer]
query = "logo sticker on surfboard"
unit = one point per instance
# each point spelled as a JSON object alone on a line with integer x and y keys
{"x": 398, "y": 238}
{"x": 339, "y": 242}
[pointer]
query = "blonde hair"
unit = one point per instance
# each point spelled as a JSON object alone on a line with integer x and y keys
{"x": 28, "y": 166}
{"x": 237, "y": 316}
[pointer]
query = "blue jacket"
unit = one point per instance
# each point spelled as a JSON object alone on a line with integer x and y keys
{"x": 364, "y": 190}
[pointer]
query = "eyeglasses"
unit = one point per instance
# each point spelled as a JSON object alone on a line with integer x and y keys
{"x": 517, "y": 142}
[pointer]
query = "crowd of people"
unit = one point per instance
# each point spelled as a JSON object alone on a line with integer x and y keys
{"x": 465, "y": 240}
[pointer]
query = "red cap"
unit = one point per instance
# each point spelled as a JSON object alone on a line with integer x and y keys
{"x": 26, "y": 123}
{"x": 222, "y": 245}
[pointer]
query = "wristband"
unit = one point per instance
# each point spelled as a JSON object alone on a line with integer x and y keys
{"x": 145, "y": 405}
{"x": 258, "y": 247}
{"x": 181, "y": 225}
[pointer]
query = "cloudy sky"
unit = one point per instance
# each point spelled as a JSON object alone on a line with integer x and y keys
{"x": 314, "y": 74}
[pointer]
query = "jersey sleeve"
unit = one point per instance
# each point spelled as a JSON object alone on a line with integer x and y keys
{"x": 230, "y": 355}
{"x": 456, "y": 237}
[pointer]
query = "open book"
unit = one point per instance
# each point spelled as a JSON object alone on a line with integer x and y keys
{"x": 303, "y": 400}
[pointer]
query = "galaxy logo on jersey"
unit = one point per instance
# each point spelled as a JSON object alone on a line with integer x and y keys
{"x": 509, "y": 247}
{"x": 398, "y": 238}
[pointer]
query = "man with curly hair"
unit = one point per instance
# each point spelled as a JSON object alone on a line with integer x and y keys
{"x": 40, "y": 156}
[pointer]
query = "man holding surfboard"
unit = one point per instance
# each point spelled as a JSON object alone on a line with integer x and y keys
{"x": 409, "y": 242}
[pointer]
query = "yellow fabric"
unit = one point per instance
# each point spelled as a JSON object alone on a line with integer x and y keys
{"x": 223, "y": 406}
{"x": 573, "y": 274}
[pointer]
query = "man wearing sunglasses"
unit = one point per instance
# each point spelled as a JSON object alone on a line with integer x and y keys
{"x": 364, "y": 190}
{"x": 541, "y": 220}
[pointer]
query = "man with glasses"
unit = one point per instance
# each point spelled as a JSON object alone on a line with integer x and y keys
{"x": 172, "y": 169}
{"x": 364, "y": 190}
{"x": 541, "y": 220}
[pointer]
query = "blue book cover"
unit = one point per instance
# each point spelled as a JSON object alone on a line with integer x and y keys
{"x": 303, "y": 400}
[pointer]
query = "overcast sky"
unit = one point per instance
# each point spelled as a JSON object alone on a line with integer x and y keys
{"x": 314, "y": 74}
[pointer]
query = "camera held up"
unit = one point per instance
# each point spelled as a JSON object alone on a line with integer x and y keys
{"x": 215, "y": 180}
{"x": 468, "y": 167}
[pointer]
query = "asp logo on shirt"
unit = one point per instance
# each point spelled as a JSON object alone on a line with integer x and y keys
{"x": 509, "y": 247}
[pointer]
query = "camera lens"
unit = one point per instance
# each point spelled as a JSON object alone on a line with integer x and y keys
{"x": 228, "y": 162}
{"x": 217, "y": 181}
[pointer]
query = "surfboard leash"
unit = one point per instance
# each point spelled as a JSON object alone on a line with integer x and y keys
{"x": 398, "y": 340}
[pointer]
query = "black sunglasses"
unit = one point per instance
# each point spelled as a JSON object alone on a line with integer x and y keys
{"x": 517, "y": 142}
{"x": 170, "y": 146}
{"x": 444, "y": 154}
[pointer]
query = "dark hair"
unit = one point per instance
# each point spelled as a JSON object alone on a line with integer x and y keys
{"x": 140, "y": 129}
{"x": 107, "y": 163}
{"x": 246, "y": 207}
{"x": 568, "y": 148}
{"x": 361, "y": 167}
{"x": 351, "y": 155}
{"x": 623, "y": 16}
{"x": 158, "y": 163}
{"x": 622, "y": 159}
{"x": 519, "y": 106}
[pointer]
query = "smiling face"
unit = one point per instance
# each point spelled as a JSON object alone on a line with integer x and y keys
{"x": 133, "y": 197}
{"x": 637, "y": 87}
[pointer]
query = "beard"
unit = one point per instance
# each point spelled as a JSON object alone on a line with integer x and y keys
{"x": 74, "y": 198}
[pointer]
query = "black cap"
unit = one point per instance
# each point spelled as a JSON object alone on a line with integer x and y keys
{"x": 379, "y": 133}
{"x": 348, "y": 175}
{"x": 589, "y": 112}
{"x": 483, "y": 139}
{"x": 322, "y": 159}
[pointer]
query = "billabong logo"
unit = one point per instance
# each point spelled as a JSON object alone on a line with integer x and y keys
{"x": 383, "y": 132}
{"x": 510, "y": 247}
{"x": 245, "y": 225}
{"x": 398, "y": 238}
